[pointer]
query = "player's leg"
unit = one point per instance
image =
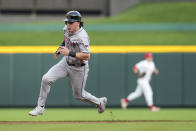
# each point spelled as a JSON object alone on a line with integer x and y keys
{"x": 148, "y": 94}
{"x": 137, "y": 93}
{"x": 78, "y": 79}
{"x": 56, "y": 72}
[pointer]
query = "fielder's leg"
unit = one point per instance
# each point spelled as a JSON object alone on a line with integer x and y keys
{"x": 137, "y": 93}
{"x": 148, "y": 94}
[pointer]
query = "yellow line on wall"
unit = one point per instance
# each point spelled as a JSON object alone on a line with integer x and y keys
{"x": 103, "y": 49}
{"x": 138, "y": 49}
{"x": 28, "y": 49}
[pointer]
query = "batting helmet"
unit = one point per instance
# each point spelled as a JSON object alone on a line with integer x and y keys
{"x": 147, "y": 55}
{"x": 73, "y": 16}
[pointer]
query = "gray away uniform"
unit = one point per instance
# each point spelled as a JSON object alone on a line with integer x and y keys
{"x": 75, "y": 69}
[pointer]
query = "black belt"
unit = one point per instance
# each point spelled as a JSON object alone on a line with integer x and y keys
{"x": 77, "y": 65}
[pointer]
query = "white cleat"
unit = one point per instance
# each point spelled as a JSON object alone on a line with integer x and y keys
{"x": 155, "y": 109}
{"x": 101, "y": 107}
{"x": 124, "y": 104}
{"x": 37, "y": 111}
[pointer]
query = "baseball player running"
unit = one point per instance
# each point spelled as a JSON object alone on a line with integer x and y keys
{"x": 74, "y": 65}
{"x": 144, "y": 70}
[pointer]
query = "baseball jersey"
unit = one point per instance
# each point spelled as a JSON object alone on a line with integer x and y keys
{"x": 78, "y": 42}
{"x": 147, "y": 67}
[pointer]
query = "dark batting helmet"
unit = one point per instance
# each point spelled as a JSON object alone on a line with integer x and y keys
{"x": 73, "y": 16}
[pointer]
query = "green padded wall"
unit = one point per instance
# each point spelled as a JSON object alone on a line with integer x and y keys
{"x": 6, "y": 87}
{"x": 189, "y": 96}
{"x": 110, "y": 75}
{"x": 27, "y": 74}
{"x": 168, "y": 84}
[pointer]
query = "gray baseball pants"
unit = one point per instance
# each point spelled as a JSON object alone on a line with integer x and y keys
{"x": 78, "y": 77}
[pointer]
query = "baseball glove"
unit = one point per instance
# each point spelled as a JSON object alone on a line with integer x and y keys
{"x": 57, "y": 52}
{"x": 141, "y": 75}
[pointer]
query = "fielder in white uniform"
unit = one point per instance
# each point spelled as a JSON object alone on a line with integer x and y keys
{"x": 144, "y": 70}
{"x": 74, "y": 65}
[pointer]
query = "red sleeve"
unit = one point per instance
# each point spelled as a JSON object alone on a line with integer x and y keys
{"x": 135, "y": 68}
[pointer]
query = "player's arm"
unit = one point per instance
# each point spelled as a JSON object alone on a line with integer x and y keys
{"x": 82, "y": 56}
{"x": 135, "y": 70}
{"x": 79, "y": 55}
{"x": 62, "y": 44}
{"x": 57, "y": 53}
{"x": 137, "y": 73}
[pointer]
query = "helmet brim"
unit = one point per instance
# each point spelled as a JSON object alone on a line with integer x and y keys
{"x": 70, "y": 20}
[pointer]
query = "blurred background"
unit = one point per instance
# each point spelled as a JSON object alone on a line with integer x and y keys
{"x": 165, "y": 23}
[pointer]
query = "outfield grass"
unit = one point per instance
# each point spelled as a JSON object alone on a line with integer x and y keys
{"x": 165, "y": 120}
{"x": 143, "y": 38}
{"x": 31, "y": 38}
{"x": 101, "y": 38}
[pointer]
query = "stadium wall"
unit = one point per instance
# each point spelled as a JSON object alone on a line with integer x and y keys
{"x": 110, "y": 75}
{"x": 86, "y": 7}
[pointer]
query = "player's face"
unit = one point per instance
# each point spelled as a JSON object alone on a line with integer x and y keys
{"x": 73, "y": 27}
{"x": 149, "y": 58}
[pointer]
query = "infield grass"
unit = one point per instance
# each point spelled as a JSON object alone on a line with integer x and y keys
{"x": 90, "y": 114}
{"x": 138, "y": 119}
{"x": 141, "y": 126}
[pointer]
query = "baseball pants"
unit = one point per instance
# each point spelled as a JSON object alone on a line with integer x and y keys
{"x": 78, "y": 77}
{"x": 143, "y": 87}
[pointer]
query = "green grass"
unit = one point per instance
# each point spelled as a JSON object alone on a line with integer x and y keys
{"x": 91, "y": 114}
{"x": 143, "y": 38}
{"x": 111, "y": 114}
{"x": 31, "y": 38}
{"x": 101, "y": 38}
{"x": 187, "y": 126}
{"x": 172, "y": 12}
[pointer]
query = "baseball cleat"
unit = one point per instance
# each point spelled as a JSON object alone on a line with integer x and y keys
{"x": 101, "y": 107}
{"x": 124, "y": 104}
{"x": 155, "y": 109}
{"x": 37, "y": 111}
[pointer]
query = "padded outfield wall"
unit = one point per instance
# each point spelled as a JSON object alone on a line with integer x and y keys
{"x": 110, "y": 75}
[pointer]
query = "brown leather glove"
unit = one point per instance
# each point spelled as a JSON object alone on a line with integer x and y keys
{"x": 141, "y": 75}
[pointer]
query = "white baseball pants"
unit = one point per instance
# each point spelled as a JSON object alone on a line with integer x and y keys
{"x": 143, "y": 87}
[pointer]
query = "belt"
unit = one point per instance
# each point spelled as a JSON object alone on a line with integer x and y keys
{"x": 77, "y": 65}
